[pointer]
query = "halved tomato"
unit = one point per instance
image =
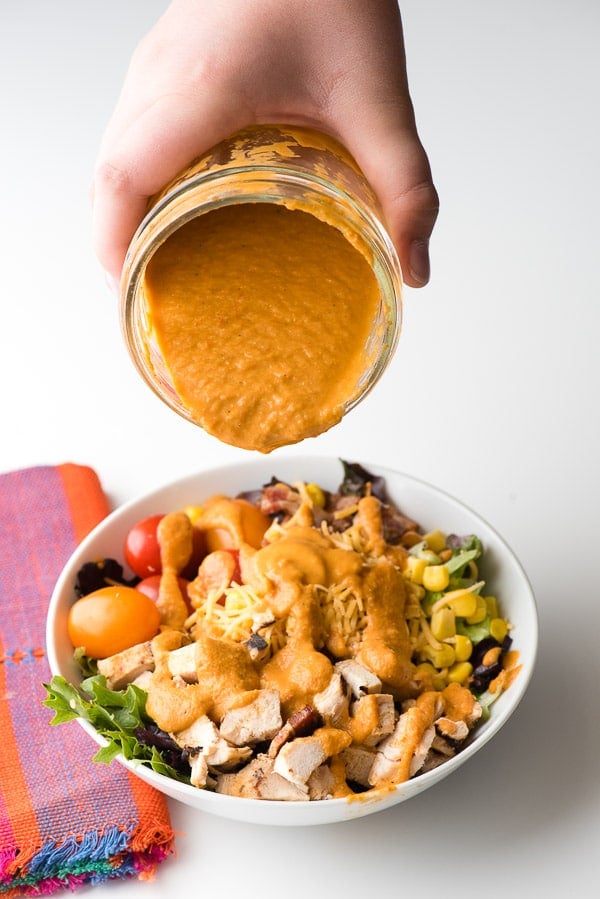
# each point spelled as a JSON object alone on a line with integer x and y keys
{"x": 151, "y": 585}
{"x": 112, "y": 619}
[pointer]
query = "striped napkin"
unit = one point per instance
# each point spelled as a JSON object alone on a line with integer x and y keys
{"x": 65, "y": 821}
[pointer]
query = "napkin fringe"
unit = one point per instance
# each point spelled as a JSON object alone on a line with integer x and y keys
{"x": 91, "y": 859}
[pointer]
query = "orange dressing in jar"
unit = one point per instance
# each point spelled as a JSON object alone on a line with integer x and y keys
{"x": 261, "y": 295}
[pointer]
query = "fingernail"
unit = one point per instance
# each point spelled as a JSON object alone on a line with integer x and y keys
{"x": 111, "y": 283}
{"x": 419, "y": 261}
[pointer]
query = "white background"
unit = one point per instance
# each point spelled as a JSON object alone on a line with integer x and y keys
{"x": 492, "y": 395}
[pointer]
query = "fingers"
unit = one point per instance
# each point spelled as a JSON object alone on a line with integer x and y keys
{"x": 161, "y": 140}
{"x": 169, "y": 112}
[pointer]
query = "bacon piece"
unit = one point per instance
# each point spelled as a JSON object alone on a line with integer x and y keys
{"x": 300, "y": 724}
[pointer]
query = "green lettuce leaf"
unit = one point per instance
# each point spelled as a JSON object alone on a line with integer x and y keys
{"x": 115, "y": 714}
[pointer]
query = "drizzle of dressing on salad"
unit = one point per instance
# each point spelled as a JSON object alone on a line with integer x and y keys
{"x": 285, "y": 573}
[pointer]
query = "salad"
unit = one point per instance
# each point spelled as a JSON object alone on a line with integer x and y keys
{"x": 290, "y": 643}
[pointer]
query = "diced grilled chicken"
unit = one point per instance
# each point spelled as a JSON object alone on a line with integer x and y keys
{"x": 258, "y": 780}
{"x": 401, "y": 755}
{"x": 359, "y": 679}
{"x": 204, "y": 739}
{"x": 377, "y": 712}
{"x": 358, "y": 762}
{"x": 332, "y": 702}
{"x": 297, "y": 760}
{"x": 199, "y": 770}
{"x": 474, "y": 715}
{"x": 321, "y": 783}
{"x": 454, "y": 730}
{"x": 124, "y": 667}
{"x": 143, "y": 680}
{"x": 433, "y": 760}
{"x": 252, "y": 723}
{"x": 201, "y": 734}
{"x": 183, "y": 662}
{"x": 437, "y": 710}
{"x": 460, "y": 704}
{"x": 421, "y": 751}
{"x": 443, "y": 747}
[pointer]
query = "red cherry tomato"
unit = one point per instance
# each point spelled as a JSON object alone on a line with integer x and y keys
{"x": 151, "y": 585}
{"x": 112, "y": 619}
{"x": 199, "y": 551}
{"x": 142, "y": 549}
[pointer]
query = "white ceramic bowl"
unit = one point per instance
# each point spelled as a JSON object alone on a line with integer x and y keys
{"x": 431, "y": 507}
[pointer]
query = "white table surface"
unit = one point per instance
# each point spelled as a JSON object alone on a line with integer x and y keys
{"x": 492, "y": 395}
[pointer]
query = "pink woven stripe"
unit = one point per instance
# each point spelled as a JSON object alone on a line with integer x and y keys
{"x": 34, "y": 547}
{"x": 61, "y": 781}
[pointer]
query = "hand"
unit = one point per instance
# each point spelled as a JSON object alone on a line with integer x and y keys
{"x": 208, "y": 68}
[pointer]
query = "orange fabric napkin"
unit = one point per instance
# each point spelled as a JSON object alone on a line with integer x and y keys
{"x": 65, "y": 821}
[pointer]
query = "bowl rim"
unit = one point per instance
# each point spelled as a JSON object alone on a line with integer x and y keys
{"x": 303, "y": 811}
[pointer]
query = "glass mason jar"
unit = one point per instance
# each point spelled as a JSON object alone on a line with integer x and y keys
{"x": 295, "y": 167}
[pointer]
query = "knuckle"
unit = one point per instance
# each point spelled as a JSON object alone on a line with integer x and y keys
{"x": 420, "y": 201}
{"x": 422, "y": 194}
{"x": 112, "y": 178}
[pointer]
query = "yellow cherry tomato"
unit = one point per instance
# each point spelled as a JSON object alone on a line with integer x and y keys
{"x": 112, "y": 619}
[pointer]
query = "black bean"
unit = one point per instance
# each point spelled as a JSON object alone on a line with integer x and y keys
{"x": 480, "y": 649}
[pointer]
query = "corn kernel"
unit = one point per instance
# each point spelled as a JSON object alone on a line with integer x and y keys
{"x": 480, "y": 613}
{"x": 463, "y": 600}
{"x": 414, "y": 569}
{"x": 498, "y": 629}
{"x": 436, "y": 578}
{"x": 442, "y": 657}
{"x": 193, "y": 513}
{"x": 435, "y": 540}
{"x": 430, "y": 557}
{"x": 492, "y": 606}
{"x": 316, "y": 495}
{"x": 462, "y": 648}
{"x": 460, "y": 672}
{"x": 443, "y": 624}
{"x": 425, "y": 674}
{"x": 463, "y": 603}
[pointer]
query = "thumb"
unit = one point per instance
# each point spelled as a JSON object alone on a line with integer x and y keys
{"x": 396, "y": 165}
